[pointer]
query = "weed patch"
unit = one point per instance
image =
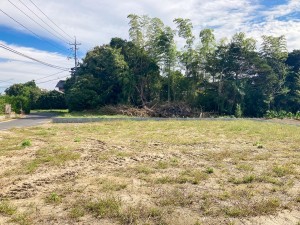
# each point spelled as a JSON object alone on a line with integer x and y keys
{"x": 53, "y": 198}
{"x": 108, "y": 207}
{"x": 26, "y": 143}
{"x": 7, "y": 209}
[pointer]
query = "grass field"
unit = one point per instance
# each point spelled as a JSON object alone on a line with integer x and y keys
{"x": 171, "y": 172}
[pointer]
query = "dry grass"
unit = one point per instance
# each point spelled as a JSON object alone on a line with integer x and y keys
{"x": 171, "y": 172}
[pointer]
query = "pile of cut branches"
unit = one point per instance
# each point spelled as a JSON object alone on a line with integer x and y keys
{"x": 168, "y": 110}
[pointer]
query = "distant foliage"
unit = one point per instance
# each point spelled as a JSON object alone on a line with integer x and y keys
{"x": 23, "y": 97}
{"x": 282, "y": 115}
{"x": 51, "y": 100}
{"x": 19, "y": 104}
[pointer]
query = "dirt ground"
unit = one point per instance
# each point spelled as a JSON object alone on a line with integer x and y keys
{"x": 175, "y": 172}
{"x": 286, "y": 121}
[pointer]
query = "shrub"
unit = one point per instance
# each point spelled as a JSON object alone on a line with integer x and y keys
{"x": 271, "y": 114}
{"x": 282, "y": 115}
{"x": 2, "y": 104}
{"x": 297, "y": 115}
{"x": 26, "y": 143}
{"x": 238, "y": 113}
{"x": 51, "y": 100}
{"x": 19, "y": 104}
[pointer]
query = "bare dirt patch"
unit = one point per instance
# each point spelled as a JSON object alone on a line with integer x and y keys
{"x": 174, "y": 172}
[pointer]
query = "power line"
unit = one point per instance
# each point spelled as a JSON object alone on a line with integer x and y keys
{"x": 49, "y": 75}
{"x": 35, "y": 34}
{"x": 36, "y": 60}
{"x": 35, "y": 21}
{"x": 20, "y": 23}
{"x": 49, "y": 18}
{"x": 42, "y": 20}
{"x": 6, "y": 81}
{"x": 52, "y": 80}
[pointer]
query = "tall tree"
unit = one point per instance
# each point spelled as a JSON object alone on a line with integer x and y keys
{"x": 185, "y": 31}
{"x": 136, "y": 30}
{"x": 167, "y": 54}
{"x": 291, "y": 100}
{"x": 106, "y": 68}
{"x": 143, "y": 82}
{"x": 274, "y": 51}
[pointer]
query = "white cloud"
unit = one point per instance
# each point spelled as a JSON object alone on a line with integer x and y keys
{"x": 283, "y": 10}
{"x": 21, "y": 69}
{"x": 95, "y": 22}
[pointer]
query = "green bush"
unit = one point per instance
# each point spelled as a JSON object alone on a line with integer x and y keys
{"x": 297, "y": 115}
{"x": 238, "y": 113}
{"x": 282, "y": 115}
{"x": 2, "y": 104}
{"x": 51, "y": 100}
{"x": 19, "y": 104}
{"x": 271, "y": 114}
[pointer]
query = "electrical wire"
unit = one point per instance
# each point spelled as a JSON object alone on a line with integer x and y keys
{"x": 52, "y": 80}
{"x": 50, "y": 19}
{"x": 43, "y": 21}
{"x": 6, "y": 81}
{"x": 35, "y": 34}
{"x": 35, "y": 21}
{"x": 39, "y": 61}
{"x": 36, "y": 60}
{"x": 49, "y": 75}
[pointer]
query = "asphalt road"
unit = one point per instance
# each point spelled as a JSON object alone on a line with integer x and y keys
{"x": 33, "y": 119}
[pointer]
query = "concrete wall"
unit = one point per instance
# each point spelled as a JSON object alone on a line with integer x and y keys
{"x": 91, "y": 120}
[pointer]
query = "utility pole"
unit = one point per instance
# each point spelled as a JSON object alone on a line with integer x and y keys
{"x": 75, "y": 49}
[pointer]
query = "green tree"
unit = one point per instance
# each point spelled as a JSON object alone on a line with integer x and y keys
{"x": 84, "y": 94}
{"x": 28, "y": 91}
{"x": 274, "y": 51}
{"x": 19, "y": 104}
{"x": 51, "y": 100}
{"x": 188, "y": 57}
{"x": 293, "y": 60}
{"x": 143, "y": 83}
{"x": 136, "y": 30}
{"x": 100, "y": 77}
{"x": 208, "y": 43}
{"x": 291, "y": 100}
{"x": 167, "y": 55}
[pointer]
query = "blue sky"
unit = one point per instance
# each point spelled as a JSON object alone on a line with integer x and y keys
{"x": 12, "y": 36}
{"x": 94, "y": 22}
{"x": 272, "y": 3}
